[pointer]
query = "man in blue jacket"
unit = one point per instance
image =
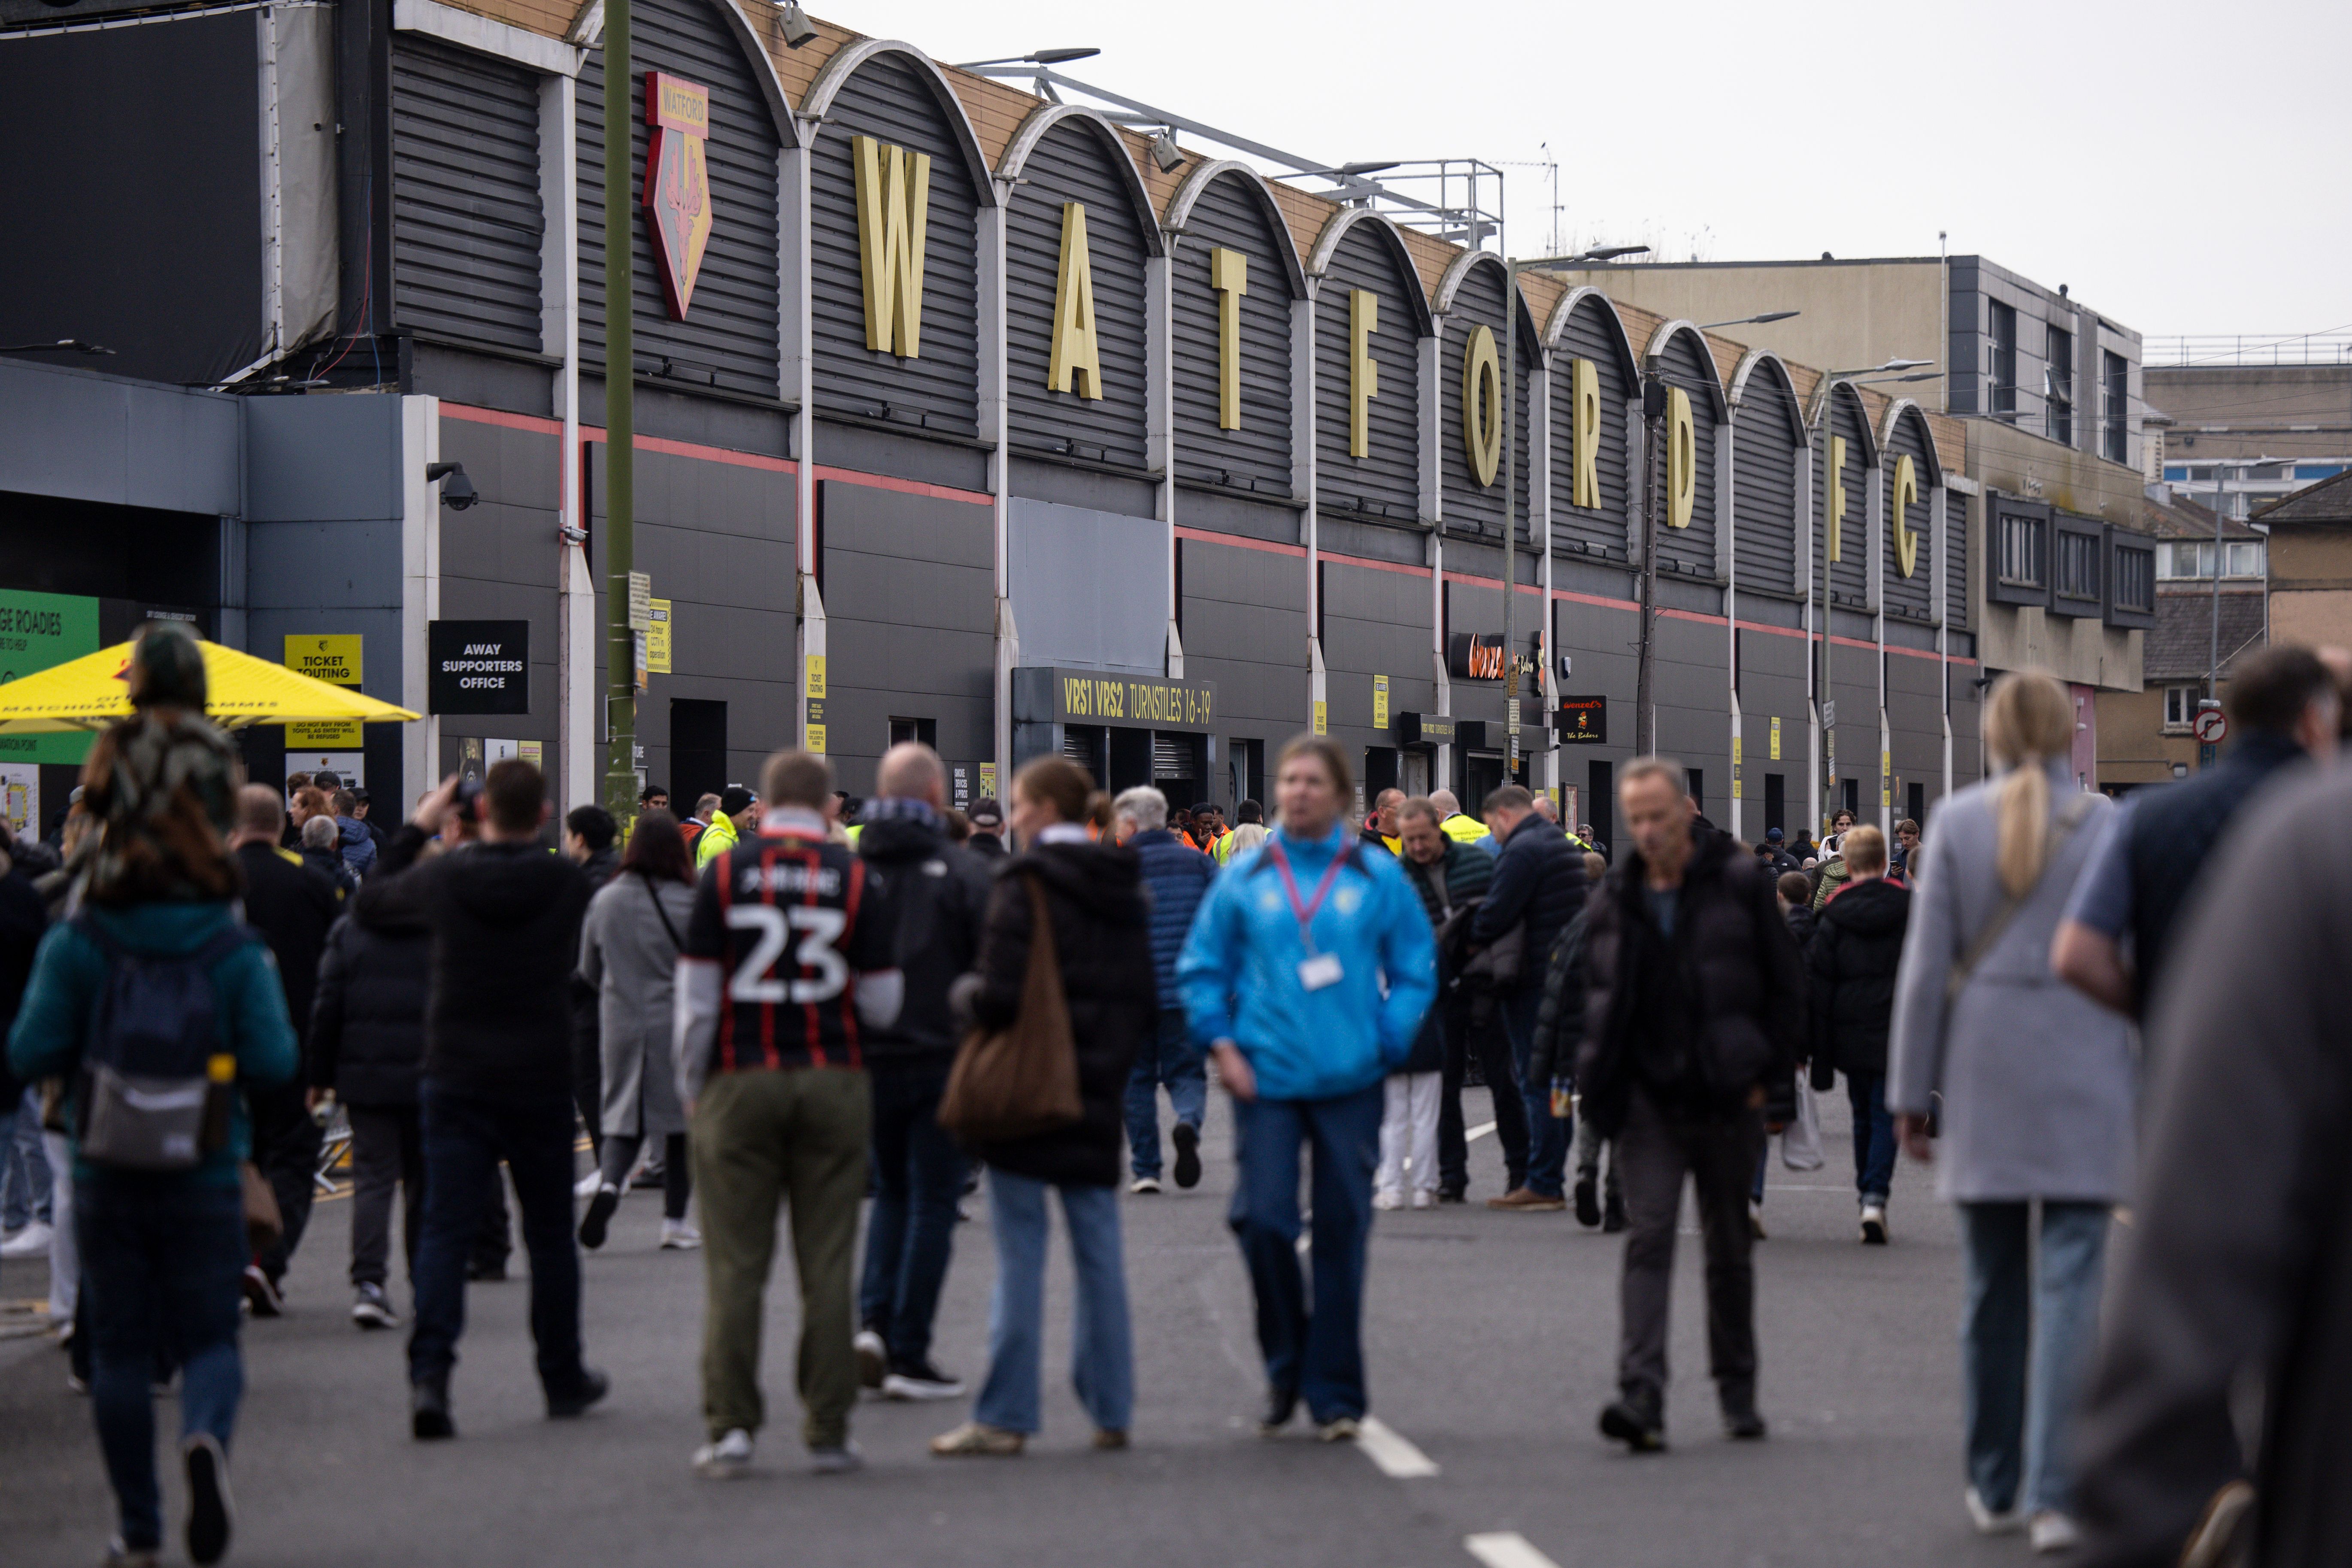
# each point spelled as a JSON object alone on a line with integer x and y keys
{"x": 1538, "y": 883}
{"x": 1308, "y": 970}
{"x": 1177, "y": 876}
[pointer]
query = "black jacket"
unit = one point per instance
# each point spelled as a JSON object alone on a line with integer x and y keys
{"x": 1800, "y": 919}
{"x": 1560, "y": 1021}
{"x": 938, "y": 893}
{"x": 505, "y": 919}
{"x": 291, "y": 906}
{"x": 367, "y": 1027}
{"x": 1858, "y": 944}
{"x": 330, "y": 864}
{"x": 1094, "y": 897}
{"x": 1702, "y": 1018}
{"x": 1539, "y": 879}
{"x": 23, "y": 918}
{"x": 987, "y": 845}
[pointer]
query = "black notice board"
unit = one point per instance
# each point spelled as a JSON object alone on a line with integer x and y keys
{"x": 478, "y": 666}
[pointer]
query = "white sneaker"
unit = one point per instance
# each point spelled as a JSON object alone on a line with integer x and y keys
{"x": 33, "y": 1241}
{"x": 1385, "y": 1200}
{"x": 726, "y": 1458}
{"x": 585, "y": 1187}
{"x": 1988, "y": 1522}
{"x": 2052, "y": 1532}
{"x": 1874, "y": 1226}
{"x": 1144, "y": 1184}
{"x": 1425, "y": 1200}
{"x": 680, "y": 1236}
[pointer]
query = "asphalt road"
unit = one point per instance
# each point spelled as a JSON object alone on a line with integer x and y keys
{"x": 1491, "y": 1345}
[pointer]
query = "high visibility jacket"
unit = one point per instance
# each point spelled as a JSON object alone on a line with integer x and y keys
{"x": 715, "y": 840}
{"x": 1463, "y": 828}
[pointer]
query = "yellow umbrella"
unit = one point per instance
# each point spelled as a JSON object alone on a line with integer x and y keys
{"x": 88, "y": 693}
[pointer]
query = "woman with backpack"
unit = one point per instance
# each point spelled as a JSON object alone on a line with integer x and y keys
{"x": 629, "y": 946}
{"x": 157, "y": 979}
{"x": 2033, "y": 1084}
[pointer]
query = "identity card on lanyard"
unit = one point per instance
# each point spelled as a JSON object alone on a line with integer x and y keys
{"x": 1317, "y": 970}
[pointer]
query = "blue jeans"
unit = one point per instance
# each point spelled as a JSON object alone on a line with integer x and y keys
{"x": 1873, "y": 1137}
{"x": 466, "y": 1136}
{"x": 1173, "y": 1059}
{"x": 26, "y": 1179}
{"x": 162, "y": 1260}
{"x": 1548, "y": 1135}
{"x": 1102, "y": 1345}
{"x": 910, "y": 1234}
{"x": 2018, "y": 1425}
{"x": 1318, "y": 1355}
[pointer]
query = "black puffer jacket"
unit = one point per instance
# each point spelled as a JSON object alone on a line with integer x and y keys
{"x": 367, "y": 1026}
{"x": 1102, "y": 939}
{"x": 939, "y": 892}
{"x": 1858, "y": 944}
{"x": 1699, "y": 1020}
{"x": 1539, "y": 879}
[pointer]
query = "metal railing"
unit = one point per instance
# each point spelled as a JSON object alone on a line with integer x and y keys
{"x": 2334, "y": 347}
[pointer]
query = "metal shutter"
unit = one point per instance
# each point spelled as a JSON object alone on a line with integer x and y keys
{"x": 1386, "y": 482}
{"x": 1257, "y": 456}
{"x": 1956, "y": 548}
{"x": 1764, "y": 487}
{"x": 1471, "y": 508}
{"x": 1590, "y": 335}
{"x": 1171, "y": 758}
{"x": 1692, "y": 549}
{"x": 466, "y": 215}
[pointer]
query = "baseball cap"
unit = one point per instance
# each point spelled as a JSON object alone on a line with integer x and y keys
{"x": 986, "y": 814}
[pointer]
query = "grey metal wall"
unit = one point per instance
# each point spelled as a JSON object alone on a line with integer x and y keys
{"x": 1772, "y": 685}
{"x": 1764, "y": 500}
{"x": 1230, "y": 214}
{"x": 466, "y": 220}
{"x": 1956, "y": 555}
{"x": 1073, "y": 163}
{"x": 1912, "y": 598}
{"x": 1849, "y": 578}
{"x": 1591, "y": 334}
{"x": 728, "y": 341}
{"x": 1246, "y": 613}
{"x": 1384, "y": 485}
{"x": 911, "y": 603}
{"x": 500, "y": 560}
{"x": 1691, "y": 550}
{"x": 1374, "y": 622}
{"x": 1472, "y": 508}
{"x": 1089, "y": 587}
{"x": 1915, "y": 728}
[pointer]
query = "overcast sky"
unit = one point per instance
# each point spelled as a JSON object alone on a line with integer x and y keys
{"x": 2180, "y": 166}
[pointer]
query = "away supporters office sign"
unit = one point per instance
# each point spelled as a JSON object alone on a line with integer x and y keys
{"x": 479, "y": 667}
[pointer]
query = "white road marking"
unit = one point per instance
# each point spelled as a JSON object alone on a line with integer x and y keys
{"x": 1477, "y": 1132}
{"x": 1506, "y": 1549}
{"x": 1392, "y": 1451}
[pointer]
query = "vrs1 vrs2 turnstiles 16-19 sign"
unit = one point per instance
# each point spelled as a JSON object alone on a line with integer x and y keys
{"x": 479, "y": 667}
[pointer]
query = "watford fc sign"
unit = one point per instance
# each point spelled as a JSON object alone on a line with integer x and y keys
{"x": 678, "y": 182}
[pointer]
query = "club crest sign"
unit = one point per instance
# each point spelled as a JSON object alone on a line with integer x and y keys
{"x": 678, "y": 182}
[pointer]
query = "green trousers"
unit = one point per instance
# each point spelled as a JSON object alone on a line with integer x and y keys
{"x": 797, "y": 1137}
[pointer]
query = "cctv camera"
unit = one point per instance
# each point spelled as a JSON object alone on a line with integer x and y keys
{"x": 457, "y": 491}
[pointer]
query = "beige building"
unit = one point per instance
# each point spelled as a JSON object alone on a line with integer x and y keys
{"x": 2311, "y": 563}
{"x": 2201, "y": 628}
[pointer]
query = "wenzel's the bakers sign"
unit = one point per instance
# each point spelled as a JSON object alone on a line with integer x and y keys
{"x": 678, "y": 182}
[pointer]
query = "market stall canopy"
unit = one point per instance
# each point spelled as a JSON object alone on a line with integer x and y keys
{"x": 88, "y": 693}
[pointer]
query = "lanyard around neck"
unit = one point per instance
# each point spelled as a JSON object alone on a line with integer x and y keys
{"x": 1306, "y": 909}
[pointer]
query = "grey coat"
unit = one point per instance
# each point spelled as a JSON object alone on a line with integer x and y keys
{"x": 627, "y": 954}
{"x": 2038, "y": 1081}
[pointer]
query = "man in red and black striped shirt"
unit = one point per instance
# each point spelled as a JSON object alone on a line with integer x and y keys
{"x": 789, "y": 954}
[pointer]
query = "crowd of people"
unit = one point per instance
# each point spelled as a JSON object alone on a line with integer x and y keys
{"x": 862, "y": 1013}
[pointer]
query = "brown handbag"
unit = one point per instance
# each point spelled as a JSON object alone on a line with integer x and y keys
{"x": 1022, "y": 1079}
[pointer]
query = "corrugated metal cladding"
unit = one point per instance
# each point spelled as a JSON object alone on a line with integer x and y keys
{"x": 1231, "y": 216}
{"x": 729, "y": 338}
{"x": 1689, "y": 366}
{"x": 1764, "y": 486}
{"x": 1072, "y": 162}
{"x": 1591, "y": 334}
{"x": 1956, "y": 553}
{"x": 1849, "y": 577}
{"x": 1911, "y": 595}
{"x": 1471, "y": 508}
{"x": 466, "y": 222}
{"x": 1385, "y": 483}
{"x": 939, "y": 390}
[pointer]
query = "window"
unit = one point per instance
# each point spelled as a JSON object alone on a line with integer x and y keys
{"x": 2001, "y": 327}
{"x": 2317, "y": 470}
{"x": 2180, "y": 706}
{"x": 2185, "y": 559}
{"x": 2021, "y": 550}
{"x": 2078, "y": 565}
{"x": 2115, "y": 405}
{"x": 2135, "y": 580}
{"x": 2058, "y": 398}
{"x": 2177, "y": 473}
{"x": 925, "y": 731}
{"x": 2242, "y": 558}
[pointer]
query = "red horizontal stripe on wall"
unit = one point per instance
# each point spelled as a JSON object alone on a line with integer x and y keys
{"x": 473, "y": 415}
{"x": 905, "y": 487}
{"x": 1267, "y": 545}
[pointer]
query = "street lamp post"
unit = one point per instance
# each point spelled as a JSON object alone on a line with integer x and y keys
{"x": 1511, "y": 271}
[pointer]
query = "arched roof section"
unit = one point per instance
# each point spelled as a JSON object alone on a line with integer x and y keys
{"x": 1761, "y": 372}
{"x": 1588, "y": 297}
{"x": 1459, "y": 271}
{"x": 1181, "y": 204}
{"x": 1896, "y": 412}
{"x": 587, "y": 30}
{"x": 1044, "y": 118}
{"x": 845, "y": 64}
{"x": 1318, "y": 260}
{"x": 1667, "y": 333}
{"x": 1842, "y": 391}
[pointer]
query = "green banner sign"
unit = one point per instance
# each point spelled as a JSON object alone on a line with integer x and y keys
{"x": 37, "y": 630}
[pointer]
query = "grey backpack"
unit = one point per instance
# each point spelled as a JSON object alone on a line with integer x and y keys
{"x": 155, "y": 1083}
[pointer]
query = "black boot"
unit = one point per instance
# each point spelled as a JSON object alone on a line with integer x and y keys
{"x": 1612, "y": 1218}
{"x": 1636, "y": 1421}
{"x": 1740, "y": 1418}
{"x": 428, "y": 1409}
{"x": 575, "y": 1399}
{"x": 1587, "y": 1200}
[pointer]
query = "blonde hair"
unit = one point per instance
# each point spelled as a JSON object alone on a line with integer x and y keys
{"x": 2027, "y": 721}
{"x": 1865, "y": 848}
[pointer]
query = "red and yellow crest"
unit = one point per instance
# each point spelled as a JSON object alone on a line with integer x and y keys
{"x": 678, "y": 182}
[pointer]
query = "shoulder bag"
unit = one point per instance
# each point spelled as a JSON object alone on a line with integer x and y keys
{"x": 1022, "y": 1079}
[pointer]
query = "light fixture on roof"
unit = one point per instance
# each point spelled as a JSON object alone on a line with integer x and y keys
{"x": 1165, "y": 154}
{"x": 795, "y": 26}
{"x": 1041, "y": 57}
{"x": 1751, "y": 320}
